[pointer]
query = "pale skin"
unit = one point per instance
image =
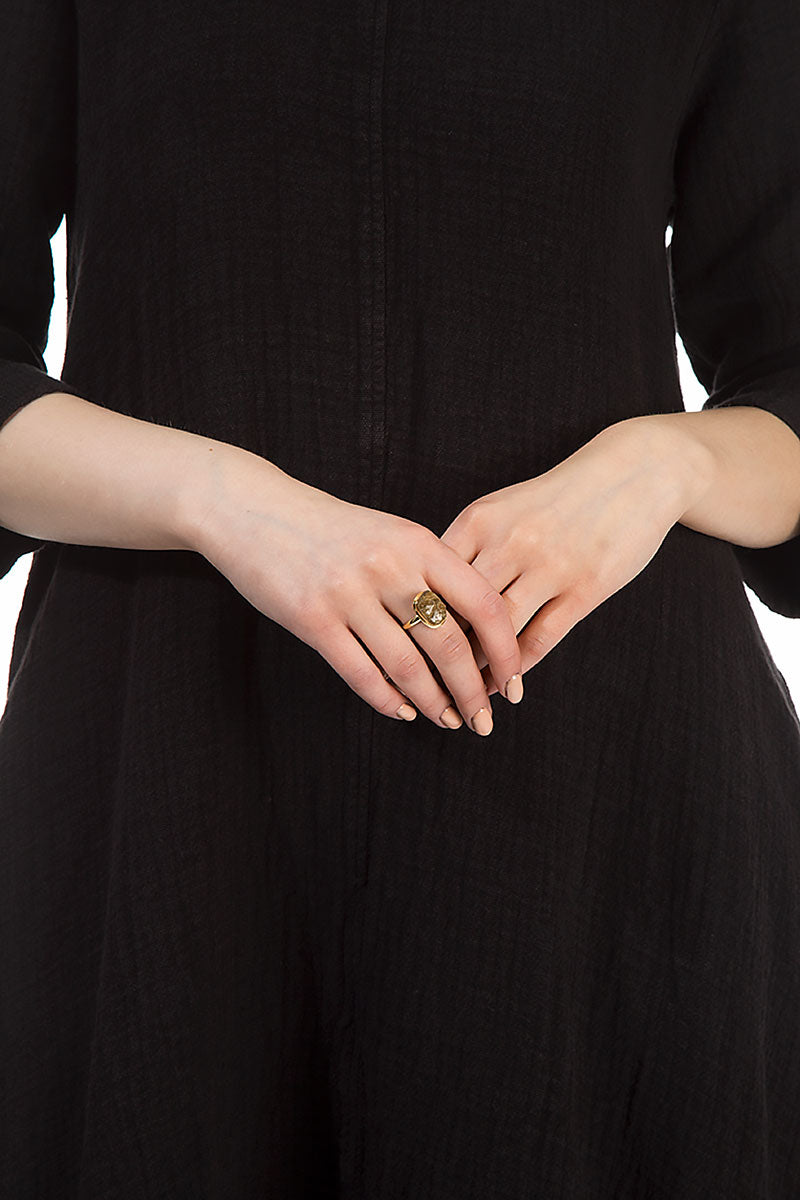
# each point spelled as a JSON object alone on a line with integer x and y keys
{"x": 338, "y": 574}
{"x": 560, "y": 544}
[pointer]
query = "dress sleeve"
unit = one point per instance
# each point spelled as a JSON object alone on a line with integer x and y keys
{"x": 735, "y": 252}
{"x": 37, "y": 156}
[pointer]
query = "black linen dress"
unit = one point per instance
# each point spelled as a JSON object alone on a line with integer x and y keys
{"x": 255, "y": 939}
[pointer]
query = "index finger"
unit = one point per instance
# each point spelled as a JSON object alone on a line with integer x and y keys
{"x": 472, "y": 595}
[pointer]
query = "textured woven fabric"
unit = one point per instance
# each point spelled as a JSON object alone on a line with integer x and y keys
{"x": 255, "y": 939}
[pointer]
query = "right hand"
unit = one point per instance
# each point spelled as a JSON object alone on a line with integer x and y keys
{"x": 332, "y": 572}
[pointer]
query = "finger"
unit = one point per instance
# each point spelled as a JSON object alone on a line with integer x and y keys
{"x": 520, "y": 604}
{"x": 496, "y": 571}
{"x": 403, "y": 661}
{"x": 463, "y": 587}
{"x": 447, "y": 646}
{"x": 350, "y": 660}
{"x": 462, "y": 537}
{"x": 550, "y": 625}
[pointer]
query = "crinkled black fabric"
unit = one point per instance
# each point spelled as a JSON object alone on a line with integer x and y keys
{"x": 255, "y": 939}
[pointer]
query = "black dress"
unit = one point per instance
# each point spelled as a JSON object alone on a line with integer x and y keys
{"x": 255, "y": 939}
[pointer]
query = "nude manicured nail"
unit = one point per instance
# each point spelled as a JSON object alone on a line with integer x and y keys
{"x": 451, "y": 718}
{"x": 406, "y": 712}
{"x": 514, "y": 689}
{"x": 482, "y": 721}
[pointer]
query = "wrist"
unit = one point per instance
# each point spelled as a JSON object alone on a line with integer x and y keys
{"x": 214, "y": 478}
{"x": 681, "y": 466}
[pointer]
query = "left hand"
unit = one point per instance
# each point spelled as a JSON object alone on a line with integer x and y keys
{"x": 557, "y": 545}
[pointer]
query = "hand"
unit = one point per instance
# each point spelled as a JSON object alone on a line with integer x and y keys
{"x": 337, "y": 574}
{"x": 558, "y": 545}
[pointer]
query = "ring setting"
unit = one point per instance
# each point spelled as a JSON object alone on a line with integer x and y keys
{"x": 429, "y": 609}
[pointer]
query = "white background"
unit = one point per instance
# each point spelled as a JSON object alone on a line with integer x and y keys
{"x": 781, "y": 633}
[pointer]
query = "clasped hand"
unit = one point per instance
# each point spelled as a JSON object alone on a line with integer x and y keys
{"x": 517, "y": 568}
{"x": 558, "y": 545}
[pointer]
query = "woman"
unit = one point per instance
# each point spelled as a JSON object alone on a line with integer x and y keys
{"x": 370, "y": 404}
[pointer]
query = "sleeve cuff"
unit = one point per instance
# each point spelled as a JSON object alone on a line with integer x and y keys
{"x": 772, "y": 572}
{"x": 21, "y": 382}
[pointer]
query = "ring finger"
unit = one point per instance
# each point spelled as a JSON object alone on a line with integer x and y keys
{"x": 448, "y": 647}
{"x": 402, "y": 662}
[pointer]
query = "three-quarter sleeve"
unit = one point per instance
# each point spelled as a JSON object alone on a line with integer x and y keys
{"x": 37, "y": 171}
{"x": 735, "y": 250}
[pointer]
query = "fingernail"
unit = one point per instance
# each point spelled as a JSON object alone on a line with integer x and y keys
{"x": 514, "y": 689}
{"x": 451, "y": 718}
{"x": 482, "y": 721}
{"x": 406, "y": 712}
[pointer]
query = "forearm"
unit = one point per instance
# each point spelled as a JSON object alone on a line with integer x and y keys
{"x": 738, "y": 468}
{"x": 73, "y": 471}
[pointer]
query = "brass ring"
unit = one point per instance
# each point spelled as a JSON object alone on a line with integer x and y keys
{"x": 429, "y": 608}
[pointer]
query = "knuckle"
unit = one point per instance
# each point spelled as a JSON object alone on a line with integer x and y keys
{"x": 539, "y": 640}
{"x": 492, "y": 603}
{"x": 453, "y": 645}
{"x": 474, "y": 514}
{"x": 406, "y": 665}
{"x": 557, "y": 560}
{"x": 473, "y": 702}
{"x": 315, "y": 615}
{"x": 379, "y": 561}
{"x": 420, "y": 537}
{"x": 531, "y": 535}
{"x": 511, "y": 662}
{"x": 362, "y": 677}
{"x": 335, "y": 575}
{"x": 389, "y": 705}
{"x": 588, "y": 585}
